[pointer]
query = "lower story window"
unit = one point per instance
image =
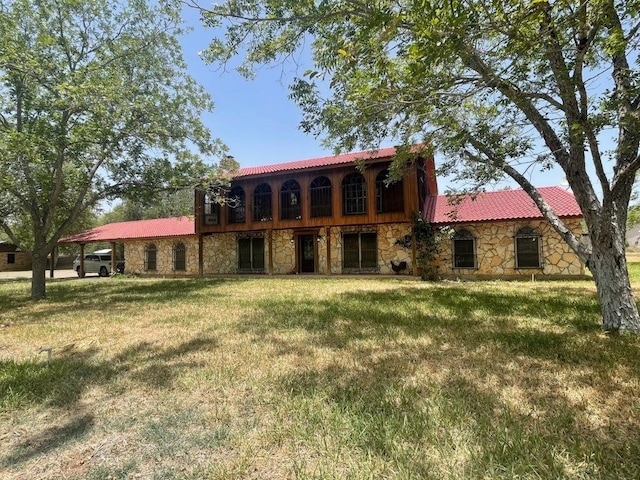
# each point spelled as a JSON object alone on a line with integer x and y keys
{"x": 251, "y": 254}
{"x": 464, "y": 255}
{"x": 150, "y": 257}
{"x": 360, "y": 251}
{"x": 11, "y": 258}
{"x": 179, "y": 257}
{"x": 528, "y": 248}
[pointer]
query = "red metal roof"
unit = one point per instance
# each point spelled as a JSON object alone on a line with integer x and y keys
{"x": 156, "y": 228}
{"x": 316, "y": 162}
{"x": 501, "y": 205}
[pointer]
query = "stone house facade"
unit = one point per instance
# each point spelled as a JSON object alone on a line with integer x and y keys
{"x": 326, "y": 217}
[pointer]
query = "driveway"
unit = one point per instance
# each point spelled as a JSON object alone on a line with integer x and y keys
{"x": 69, "y": 273}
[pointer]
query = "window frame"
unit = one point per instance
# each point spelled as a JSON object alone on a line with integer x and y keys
{"x": 148, "y": 249}
{"x": 389, "y": 198}
{"x": 320, "y": 197}
{"x": 262, "y": 203}
{"x": 465, "y": 236}
{"x": 363, "y": 265}
{"x": 179, "y": 257}
{"x": 354, "y": 194}
{"x": 11, "y": 258}
{"x": 254, "y": 250}
{"x": 290, "y": 200}
{"x": 238, "y": 212}
{"x": 528, "y": 236}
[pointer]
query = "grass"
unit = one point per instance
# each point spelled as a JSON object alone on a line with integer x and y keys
{"x": 309, "y": 378}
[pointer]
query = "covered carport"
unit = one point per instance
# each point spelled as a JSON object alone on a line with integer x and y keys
{"x": 122, "y": 232}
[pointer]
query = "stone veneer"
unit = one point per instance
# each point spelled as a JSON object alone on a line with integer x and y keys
{"x": 134, "y": 252}
{"x": 495, "y": 251}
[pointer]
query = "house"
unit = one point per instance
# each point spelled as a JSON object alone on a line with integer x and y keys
{"x": 325, "y": 216}
{"x": 318, "y": 216}
{"x": 12, "y": 258}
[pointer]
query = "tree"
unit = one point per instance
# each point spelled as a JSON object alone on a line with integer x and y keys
{"x": 164, "y": 204}
{"x": 499, "y": 87}
{"x": 94, "y": 104}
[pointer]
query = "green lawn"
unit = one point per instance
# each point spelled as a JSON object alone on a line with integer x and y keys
{"x": 306, "y": 378}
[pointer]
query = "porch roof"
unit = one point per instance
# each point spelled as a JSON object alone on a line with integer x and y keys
{"x": 500, "y": 205}
{"x": 156, "y": 228}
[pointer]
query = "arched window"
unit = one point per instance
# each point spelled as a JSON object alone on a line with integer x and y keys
{"x": 528, "y": 248}
{"x": 262, "y": 203}
{"x": 389, "y": 198}
{"x": 320, "y": 192}
{"x": 354, "y": 194}
{"x": 179, "y": 257}
{"x": 237, "y": 205}
{"x": 150, "y": 257}
{"x": 290, "y": 201}
{"x": 464, "y": 250}
{"x": 211, "y": 210}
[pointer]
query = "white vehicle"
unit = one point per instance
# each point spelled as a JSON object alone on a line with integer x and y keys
{"x": 97, "y": 262}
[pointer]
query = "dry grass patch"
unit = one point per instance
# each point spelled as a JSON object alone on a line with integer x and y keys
{"x": 303, "y": 378}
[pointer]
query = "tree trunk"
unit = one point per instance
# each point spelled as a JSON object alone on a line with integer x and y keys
{"x": 609, "y": 268}
{"x": 38, "y": 281}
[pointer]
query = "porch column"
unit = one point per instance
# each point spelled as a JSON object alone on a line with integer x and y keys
{"x": 54, "y": 253}
{"x": 270, "y": 248}
{"x": 200, "y": 254}
{"x": 327, "y": 233}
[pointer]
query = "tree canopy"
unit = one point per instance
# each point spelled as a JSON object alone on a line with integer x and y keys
{"x": 95, "y": 103}
{"x": 499, "y": 88}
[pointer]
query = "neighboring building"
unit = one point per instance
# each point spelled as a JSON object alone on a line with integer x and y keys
{"x": 13, "y": 259}
{"x": 503, "y": 234}
{"x": 325, "y": 216}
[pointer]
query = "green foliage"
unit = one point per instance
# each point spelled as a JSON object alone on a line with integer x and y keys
{"x": 499, "y": 88}
{"x": 428, "y": 243}
{"x": 95, "y": 104}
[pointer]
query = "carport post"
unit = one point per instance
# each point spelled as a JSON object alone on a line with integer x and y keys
{"x": 54, "y": 253}
{"x": 81, "y": 271}
{"x": 113, "y": 258}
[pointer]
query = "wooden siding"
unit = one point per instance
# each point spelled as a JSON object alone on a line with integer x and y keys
{"x": 411, "y": 200}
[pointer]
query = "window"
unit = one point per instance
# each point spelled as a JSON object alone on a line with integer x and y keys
{"x": 262, "y": 203}
{"x": 528, "y": 248}
{"x": 290, "y": 201}
{"x": 150, "y": 257}
{"x": 179, "y": 257}
{"x": 360, "y": 251}
{"x": 251, "y": 254}
{"x": 11, "y": 258}
{"x": 211, "y": 210}
{"x": 354, "y": 194}
{"x": 389, "y": 198}
{"x": 237, "y": 205}
{"x": 464, "y": 250}
{"x": 320, "y": 192}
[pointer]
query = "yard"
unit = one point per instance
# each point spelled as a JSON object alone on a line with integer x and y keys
{"x": 308, "y": 378}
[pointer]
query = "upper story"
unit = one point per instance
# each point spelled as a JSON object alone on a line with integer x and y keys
{"x": 320, "y": 192}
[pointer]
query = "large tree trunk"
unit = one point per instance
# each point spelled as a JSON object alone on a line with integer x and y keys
{"x": 608, "y": 265}
{"x": 38, "y": 281}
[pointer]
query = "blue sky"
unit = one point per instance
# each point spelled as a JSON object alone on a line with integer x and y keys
{"x": 256, "y": 119}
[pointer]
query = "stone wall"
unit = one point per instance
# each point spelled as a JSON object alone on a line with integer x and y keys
{"x": 134, "y": 253}
{"x": 495, "y": 251}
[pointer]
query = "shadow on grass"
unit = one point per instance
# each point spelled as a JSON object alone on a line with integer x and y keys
{"x": 61, "y": 383}
{"x": 107, "y": 293}
{"x": 479, "y": 347}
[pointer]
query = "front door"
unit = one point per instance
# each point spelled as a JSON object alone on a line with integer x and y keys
{"x": 307, "y": 253}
